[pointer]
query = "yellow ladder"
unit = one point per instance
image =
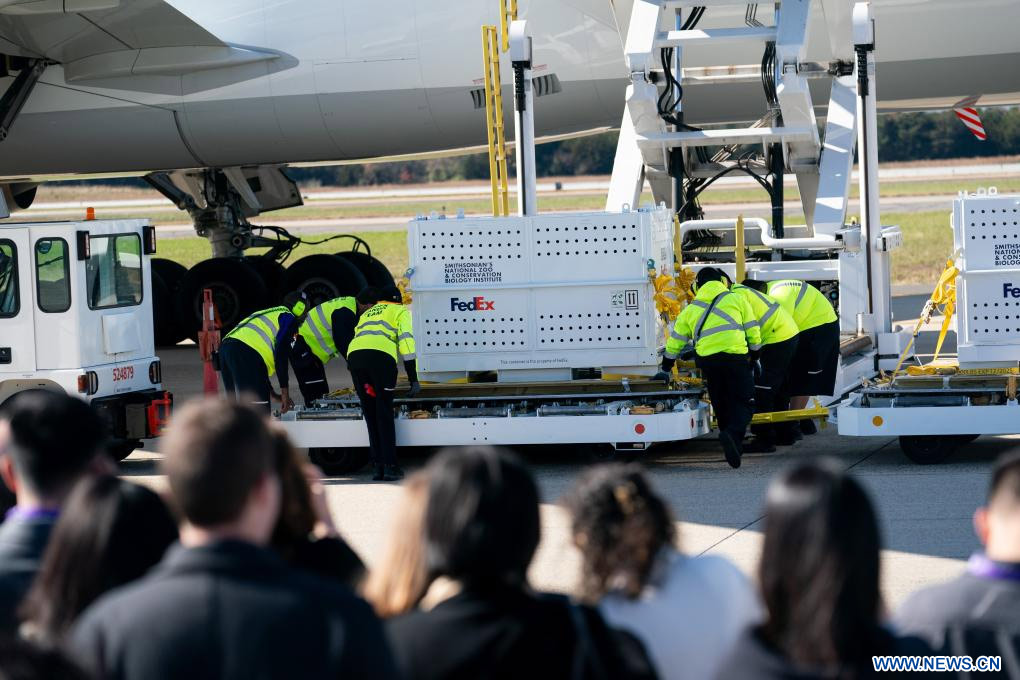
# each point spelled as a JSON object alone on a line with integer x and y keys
{"x": 494, "y": 122}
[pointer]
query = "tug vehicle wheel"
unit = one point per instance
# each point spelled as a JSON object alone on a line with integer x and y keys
{"x": 339, "y": 460}
{"x": 929, "y": 449}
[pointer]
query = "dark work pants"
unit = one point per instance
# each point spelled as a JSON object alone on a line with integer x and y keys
{"x": 244, "y": 374}
{"x": 771, "y": 387}
{"x": 309, "y": 372}
{"x": 731, "y": 389}
{"x": 371, "y": 367}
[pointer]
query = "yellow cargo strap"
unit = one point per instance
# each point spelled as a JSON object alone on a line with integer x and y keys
{"x": 943, "y": 299}
{"x": 404, "y": 287}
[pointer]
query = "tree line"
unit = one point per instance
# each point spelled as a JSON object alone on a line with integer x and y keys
{"x": 901, "y": 137}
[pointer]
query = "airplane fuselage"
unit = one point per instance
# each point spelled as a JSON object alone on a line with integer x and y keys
{"x": 353, "y": 79}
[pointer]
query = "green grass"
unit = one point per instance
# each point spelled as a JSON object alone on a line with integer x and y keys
{"x": 928, "y": 244}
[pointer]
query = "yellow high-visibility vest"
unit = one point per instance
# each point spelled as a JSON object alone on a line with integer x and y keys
{"x": 387, "y": 328}
{"x": 776, "y": 323}
{"x": 805, "y": 303}
{"x": 259, "y": 331}
{"x": 728, "y": 326}
{"x": 317, "y": 328}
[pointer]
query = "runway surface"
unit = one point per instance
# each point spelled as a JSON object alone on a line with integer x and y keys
{"x": 925, "y": 511}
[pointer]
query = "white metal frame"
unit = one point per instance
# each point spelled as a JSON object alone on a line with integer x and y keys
{"x": 690, "y": 421}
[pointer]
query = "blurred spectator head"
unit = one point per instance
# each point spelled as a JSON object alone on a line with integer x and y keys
{"x": 49, "y": 440}
{"x": 220, "y": 461}
{"x": 110, "y": 533}
{"x": 481, "y": 522}
{"x": 400, "y": 580}
{"x": 297, "y": 516}
{"x": 22, "y": 660}
{"x": 620, "y": 525}
{"x": 997, "y": 523}
{"x": 819, "y": 570}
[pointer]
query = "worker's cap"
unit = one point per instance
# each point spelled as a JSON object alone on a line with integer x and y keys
{"x": 369, "y": 295}
{"x": 296, "y": 302}
{"x": 391, "y": 294}
{"x": 709, "y": 274}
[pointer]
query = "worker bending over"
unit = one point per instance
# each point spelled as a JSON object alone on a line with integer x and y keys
{"x": 259, "y": 346}
{"x": 771, "y": 381}
{"x": 817, "y": 357}
{"x": 324, "y": 334}
{"x": 722, "y": 329}
{"x": 383, "y": 332}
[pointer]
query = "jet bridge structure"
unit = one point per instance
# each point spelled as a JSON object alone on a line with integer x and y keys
{"x": 563, "y": 316}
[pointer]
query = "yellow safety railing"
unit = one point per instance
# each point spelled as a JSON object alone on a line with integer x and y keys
{"x": 494, "y": 121}
{"x": 507, "y": 14}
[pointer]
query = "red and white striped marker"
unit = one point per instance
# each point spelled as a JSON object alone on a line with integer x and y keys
{"x": 966, "y": 112}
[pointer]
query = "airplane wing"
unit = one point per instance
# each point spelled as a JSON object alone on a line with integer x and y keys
{"x": 98, "y": 39}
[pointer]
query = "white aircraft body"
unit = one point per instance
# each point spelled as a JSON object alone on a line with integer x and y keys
{"x": 144, "y": 85}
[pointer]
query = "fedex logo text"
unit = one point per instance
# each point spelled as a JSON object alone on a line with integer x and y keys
{"x": 1009, "y": 291}
{"x": 476, "y": 304}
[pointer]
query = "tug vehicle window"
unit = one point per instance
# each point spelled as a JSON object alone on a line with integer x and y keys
{"x": 113, "y": 271}
{"x": 52, "y": 275}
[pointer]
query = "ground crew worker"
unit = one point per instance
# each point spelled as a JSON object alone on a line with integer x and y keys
{"x": 771, "y": 382}
{"x": 383, "y": 332}
{"x": 722, "y": 329}
{"x": 324, "y": 334}
{"x": 817, "y": 358}
{"x": 259, "y": 346}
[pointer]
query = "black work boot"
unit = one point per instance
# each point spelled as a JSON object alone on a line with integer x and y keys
{"x": 379, "y": 475}
{"x": 731, "y": 448}
{"x": 759, "y": 445}
{"x": 393, "y": 473}
{"x": 807, "y": 426}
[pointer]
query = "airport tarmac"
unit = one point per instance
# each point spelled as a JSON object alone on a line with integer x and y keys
{"x": 925, "y": 512}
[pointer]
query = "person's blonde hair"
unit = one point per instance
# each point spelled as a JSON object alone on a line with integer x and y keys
{"x": 397, "y": 584}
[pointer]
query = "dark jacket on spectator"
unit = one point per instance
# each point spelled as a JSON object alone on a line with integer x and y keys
{"x": 231, "y": 610}
{"x": 976, "y": 614}
{"x": 505, "y": 632}
{"x": 23, "y": 540}
{"x": 753, "y": 658}
{"x": 329, "y": 558}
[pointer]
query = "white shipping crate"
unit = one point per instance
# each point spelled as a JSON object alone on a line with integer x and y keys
{"x": 535, "y": 297}
{"x": 986, "y": 234}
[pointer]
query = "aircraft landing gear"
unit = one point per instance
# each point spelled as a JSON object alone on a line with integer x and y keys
{"x": 220, "y": 203}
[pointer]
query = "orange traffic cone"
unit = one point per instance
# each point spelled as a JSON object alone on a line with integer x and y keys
{"x": 209, "y": 342}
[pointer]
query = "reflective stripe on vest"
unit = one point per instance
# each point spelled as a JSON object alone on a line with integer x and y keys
{"x": 264, "y": 341}
{"x": 317, "y": 328}
{"x": 699, "y": 330}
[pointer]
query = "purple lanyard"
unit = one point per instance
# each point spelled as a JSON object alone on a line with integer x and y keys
{"x": 19, "y": 512}
{"x": 982, "y": 567}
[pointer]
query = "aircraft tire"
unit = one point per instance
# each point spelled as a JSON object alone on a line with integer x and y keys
{"x": 272, "y": 273}
{"x": 324, "y": 277}
{"x": 374, "y": 271}
{"x": 238, "y": 290}
{"x": 166, "y": 281}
